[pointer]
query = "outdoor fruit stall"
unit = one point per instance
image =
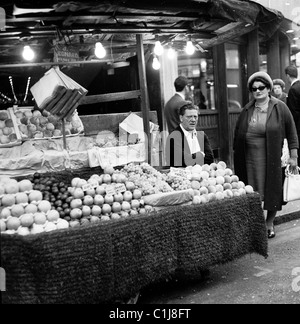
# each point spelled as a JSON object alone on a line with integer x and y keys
{"x": 98, "y": 236}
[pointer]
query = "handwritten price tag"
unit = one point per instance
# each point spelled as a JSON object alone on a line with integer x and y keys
{"x": 120, "y": 187}
{"x": 90, "y": 185}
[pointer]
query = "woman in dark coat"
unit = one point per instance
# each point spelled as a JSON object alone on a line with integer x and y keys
{"x": 260, "y": 131}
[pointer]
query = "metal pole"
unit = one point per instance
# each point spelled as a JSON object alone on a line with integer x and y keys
{"x": 6, "y": 66}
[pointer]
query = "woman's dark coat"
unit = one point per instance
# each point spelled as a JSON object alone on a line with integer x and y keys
{"x": 280, "y": 125}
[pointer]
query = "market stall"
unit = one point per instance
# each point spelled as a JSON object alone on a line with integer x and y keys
{"x": 109, "y": 261}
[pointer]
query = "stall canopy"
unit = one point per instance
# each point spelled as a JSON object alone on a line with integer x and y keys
{"x": 46, "y": 24}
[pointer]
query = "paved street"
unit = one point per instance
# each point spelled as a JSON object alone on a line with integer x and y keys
{"x": 249, "y": 280}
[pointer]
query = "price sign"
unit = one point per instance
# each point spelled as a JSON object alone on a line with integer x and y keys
{"x": 120, "y": 188}
{"x": 110, "y": 190}
{"x": 86, "y": 187}
{"x": 90, "y": 185}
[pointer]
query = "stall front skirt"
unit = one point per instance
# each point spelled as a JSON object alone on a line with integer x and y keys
{"x": 112, "y": 260}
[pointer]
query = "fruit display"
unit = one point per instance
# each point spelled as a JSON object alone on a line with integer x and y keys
{"x": 146, "y": 178}
{"x": 24, "y": 211}
{"x": 39, "y": 124}
{"x": 43, "y": 203}
{"x": 9, "y": 135}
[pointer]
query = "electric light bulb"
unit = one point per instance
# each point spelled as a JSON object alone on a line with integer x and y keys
{"x": 158, "y": 49}
{"x": 190, "y": 48}
{"x": 156, "y": 64}
{"x": 28, "y": 53}
{"x": 171, "y": 53}
{"x": 100, "y": 51}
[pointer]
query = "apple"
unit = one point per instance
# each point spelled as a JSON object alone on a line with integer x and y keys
{"x": 249, "y": 189}
{"x": 31, "y": 128}
{"x": 127, "y": 195}
{"x": 100, "y": 190}
{"x": 99, "y": 200}
{"x": 116, "y": 207}
{"x": 196, "y": 200}
{"x": 88, "y": 200}
{"x": 78, "y": 193}
{"x": 109, "y": 199}
{"x": 115, "y": 216}
{"x": 96, "y": 210}
{"x": 76, "y": 203}
{"x": 86, "y": 210}
{"x": 118, "y": 197}
{"x": 75, "y": 213}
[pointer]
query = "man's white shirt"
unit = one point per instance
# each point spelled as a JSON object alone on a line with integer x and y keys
{"x": 192, "y": 140}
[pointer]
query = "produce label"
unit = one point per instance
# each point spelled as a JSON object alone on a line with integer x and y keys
{"x": 89, "y": 186}
{"x": 114, "y": 189}
{"x": 120, "y": 188}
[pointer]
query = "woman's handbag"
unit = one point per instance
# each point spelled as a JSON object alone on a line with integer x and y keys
{"x": 291, "y": 186}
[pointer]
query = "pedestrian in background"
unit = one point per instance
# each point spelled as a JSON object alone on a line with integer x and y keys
{"x": 278, "y": 90}
{"x": 260, "y": 131}
{"x": 179, "y": 99}
{"x": 293, "y": 100}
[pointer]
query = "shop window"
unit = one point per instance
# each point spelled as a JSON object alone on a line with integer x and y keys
{"x": 234, "y": 77}
{"x": 200, "y": 72}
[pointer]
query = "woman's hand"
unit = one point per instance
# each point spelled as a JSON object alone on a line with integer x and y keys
{"x": 293, "y": 163}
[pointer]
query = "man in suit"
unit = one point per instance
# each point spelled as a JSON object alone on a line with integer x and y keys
{"x": 172, "y": 107}
{"x": 293, "y": 99}
{"x": 186, "y": 146}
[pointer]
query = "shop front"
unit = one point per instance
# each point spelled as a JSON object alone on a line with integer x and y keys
{"x": 88, "y": 214}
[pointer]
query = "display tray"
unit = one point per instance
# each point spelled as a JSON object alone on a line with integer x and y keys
{"x": 24, "y": 137}
{"x": 18, "y": 141}
{"x": 110, "y": 261}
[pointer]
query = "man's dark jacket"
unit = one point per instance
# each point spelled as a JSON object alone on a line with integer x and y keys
{"x": 293, "y": 102}
{"x": 171, "y": 111}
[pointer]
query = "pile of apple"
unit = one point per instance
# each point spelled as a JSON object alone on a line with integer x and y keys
{"x": 23, "y": 210}
{"x": 36, "y": 124}
{"x": 7, "y": 130}
{"x": 210, "y": 182}
{"x": 104, "y": 197}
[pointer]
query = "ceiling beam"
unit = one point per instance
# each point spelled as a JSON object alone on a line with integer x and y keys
{"x": 129, "y": 17}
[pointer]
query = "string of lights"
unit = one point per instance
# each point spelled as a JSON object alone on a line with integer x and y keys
{"x": 12, "y": 88}
{"x": 27, "y": 88}
{"x": 5, "y": 97}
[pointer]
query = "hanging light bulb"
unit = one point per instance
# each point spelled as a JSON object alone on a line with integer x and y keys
{"x": 28, "y": 53}
{"x": 190, "y": 48}
{"x": 100, "y": 51}
{"x": 156, "y": 64}
{"x": 158, "y": 49}
{"x": 171, "y": 53}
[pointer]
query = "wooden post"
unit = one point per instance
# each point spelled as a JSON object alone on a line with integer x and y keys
{"x": 168, "y": 74}
{"x": 64, "y": 133}
{"x": 63, "y": 119}
{"x": 253, "y": 53}
{"x": 273, "y": 56}
{"x": 221, "y": 100}
{"x": 145, "y": 105}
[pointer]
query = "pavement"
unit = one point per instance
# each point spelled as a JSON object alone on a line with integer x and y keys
{"x": 289, "y": 212}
